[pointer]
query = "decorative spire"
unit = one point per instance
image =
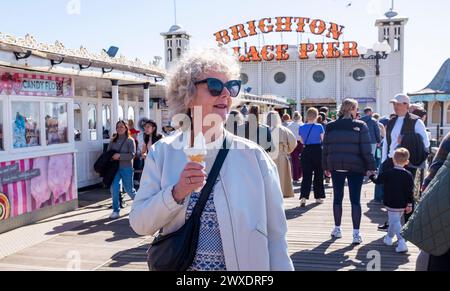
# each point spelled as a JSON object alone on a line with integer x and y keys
{"x": 175, "y": 10}
{"x": 391, "y": 13}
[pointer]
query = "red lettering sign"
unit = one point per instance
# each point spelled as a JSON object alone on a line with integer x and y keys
{"x": 319, "y": 27}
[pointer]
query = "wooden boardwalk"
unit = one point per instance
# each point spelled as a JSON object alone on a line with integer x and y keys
{"x": 313, "y": 249}
{"x": 310, "y": 243}
{"x": 104, "y": 245}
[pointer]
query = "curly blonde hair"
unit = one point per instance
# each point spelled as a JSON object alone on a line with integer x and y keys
{"x": 190, "y": 68}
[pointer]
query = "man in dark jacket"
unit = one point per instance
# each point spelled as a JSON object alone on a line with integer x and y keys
{"x": 394, "y": 132}
{"x": 374, "y": 129}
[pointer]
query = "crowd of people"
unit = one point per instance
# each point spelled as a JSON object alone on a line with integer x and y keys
{"x": 243, "y": 225}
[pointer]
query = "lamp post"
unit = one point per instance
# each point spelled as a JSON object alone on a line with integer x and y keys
{"x": 380, "y": 52}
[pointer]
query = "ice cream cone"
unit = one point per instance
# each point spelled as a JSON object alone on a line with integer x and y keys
{"x": 197, "y": 153}
{"x": 197, "y": 159}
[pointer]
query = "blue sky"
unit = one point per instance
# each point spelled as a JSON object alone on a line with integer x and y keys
{"x": 135, "y": 25}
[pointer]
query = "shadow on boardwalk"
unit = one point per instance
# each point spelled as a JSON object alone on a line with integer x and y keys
{"x": 332, "y": 255}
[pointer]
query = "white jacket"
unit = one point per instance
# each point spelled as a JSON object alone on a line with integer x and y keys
{"x": 250, "y": 211}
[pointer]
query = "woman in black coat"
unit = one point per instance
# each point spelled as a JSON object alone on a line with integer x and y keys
{"x": 347, "y": 155}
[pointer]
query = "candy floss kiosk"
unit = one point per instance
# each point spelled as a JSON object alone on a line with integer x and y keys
{"x": 37, "y": 164}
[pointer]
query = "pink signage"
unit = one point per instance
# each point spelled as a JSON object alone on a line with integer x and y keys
{"x": 35, "y": 85}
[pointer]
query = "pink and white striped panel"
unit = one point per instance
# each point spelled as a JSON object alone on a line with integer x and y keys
{"x": 19, "y": 195}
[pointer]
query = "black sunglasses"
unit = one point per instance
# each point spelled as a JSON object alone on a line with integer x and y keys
{"x": 215, "y": 86}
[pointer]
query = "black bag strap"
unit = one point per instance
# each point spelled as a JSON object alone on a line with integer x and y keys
{"x": 212, "y": 177}
{"x": 121, "y": 146}
{"x": 309, "y": 133}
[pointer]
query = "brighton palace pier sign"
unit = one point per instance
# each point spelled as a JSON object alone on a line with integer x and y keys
{"x": 330, "y": 50}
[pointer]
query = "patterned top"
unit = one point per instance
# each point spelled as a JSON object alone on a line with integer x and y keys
{"x": 210, "y": 256}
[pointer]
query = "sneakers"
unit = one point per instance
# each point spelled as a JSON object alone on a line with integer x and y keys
{"x": 389, "y": 241}
{"x": 336, "y": 233}
{"x": 319, "y": 201}
{"x": 402, "y": 247}
{"x": 114, "y": 216}
{"x": 303, "y": 203}
{"x": 357, "y": 240}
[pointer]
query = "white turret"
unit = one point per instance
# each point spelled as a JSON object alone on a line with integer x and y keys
{"x": 176, "y": 43}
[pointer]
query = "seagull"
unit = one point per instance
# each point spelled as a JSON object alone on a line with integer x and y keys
{"x": 349, "y": 4}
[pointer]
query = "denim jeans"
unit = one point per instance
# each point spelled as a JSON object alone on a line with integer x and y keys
{"x": 355, "y": 182}
{"x": 126, "y": 175}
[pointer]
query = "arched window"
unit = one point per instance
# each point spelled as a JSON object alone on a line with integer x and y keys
{"x": 397, "y": 43}
{"x": 130, "y": 113}
{"x": 121, "y": 112}
{"x": 106, "y": 122}
{"x": 436, "y": 113}
{"x": 178, "y": 52}
{"x": 92, "y": 122}
{"x": 169, "y": 55}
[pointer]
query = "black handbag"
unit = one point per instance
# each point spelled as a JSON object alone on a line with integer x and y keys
{"x": 176, "y": 251}
{"x": 103, "y": 162}
{"x": 106, "y": 167}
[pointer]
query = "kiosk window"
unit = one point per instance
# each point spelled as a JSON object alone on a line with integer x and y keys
{"x": 25, "y": 124}
{"x": 56, "y": 123}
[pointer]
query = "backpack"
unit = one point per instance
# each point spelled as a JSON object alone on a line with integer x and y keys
{"x": 411, "y": 140}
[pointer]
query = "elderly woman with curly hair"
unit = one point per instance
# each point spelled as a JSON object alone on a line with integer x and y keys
{"x": 243, "y": 226}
